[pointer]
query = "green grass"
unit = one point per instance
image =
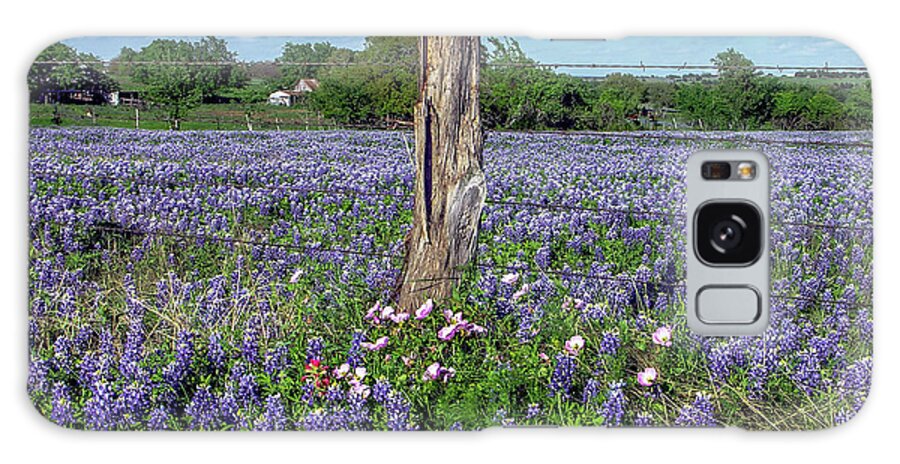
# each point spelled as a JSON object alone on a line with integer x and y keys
{"x": 202, "y": 117}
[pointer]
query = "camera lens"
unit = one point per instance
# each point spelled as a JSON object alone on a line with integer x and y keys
{"x": 728, "y": 233}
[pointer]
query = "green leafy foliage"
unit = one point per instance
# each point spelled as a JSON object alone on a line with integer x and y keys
{"x": 178, "y": 87}
{"x": 78, "y": 72}
{"x": 378, "y": 83}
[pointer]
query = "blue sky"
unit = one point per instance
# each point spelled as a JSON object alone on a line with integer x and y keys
{"x": 793, "y": 51}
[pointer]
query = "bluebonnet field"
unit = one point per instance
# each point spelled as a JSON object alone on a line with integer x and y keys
{"x": 237, "y": 280}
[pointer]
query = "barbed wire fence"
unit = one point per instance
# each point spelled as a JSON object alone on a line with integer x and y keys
{"x": 314, "y": 250}
{"x": 252, "y": 121}
{"x": 498, "y": 201}
{"x": 317, "y": 123}
{"x": 825, "y": 67}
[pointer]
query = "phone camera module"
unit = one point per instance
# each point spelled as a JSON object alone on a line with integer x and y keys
{"x": 728, "y": 233}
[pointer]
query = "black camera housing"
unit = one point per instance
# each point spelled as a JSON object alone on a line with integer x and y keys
{"x": 728, "y": 233}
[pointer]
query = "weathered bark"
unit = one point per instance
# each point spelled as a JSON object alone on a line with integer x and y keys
{"x": 450, "y": 186}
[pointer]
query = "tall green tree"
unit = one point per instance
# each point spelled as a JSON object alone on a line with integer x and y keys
{"x": 824, "y": 112}
{"x": 392, "y": 52}
{"x": 380, "y": 85}
{"x": 178, "y": 74}
{"x": 734, "y": 65}
{"x": 61, "y": 67}
{"x": 319, "y": 52}
{"x": 517, "y": 93}
{"x": 746, "y": 96}
{"x": 858, "y": 106}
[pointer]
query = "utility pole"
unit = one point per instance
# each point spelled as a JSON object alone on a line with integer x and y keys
{"x": 450, "y": 186}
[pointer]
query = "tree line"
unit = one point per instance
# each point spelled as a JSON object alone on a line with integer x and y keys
{"x": 379, "y": 83}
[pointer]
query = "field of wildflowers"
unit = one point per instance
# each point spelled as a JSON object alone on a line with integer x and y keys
{"x": 241, "y": 280}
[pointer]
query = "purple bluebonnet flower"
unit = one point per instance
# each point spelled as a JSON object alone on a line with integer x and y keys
{"x": 63, "y": 357}
{"x": 250, "y": 343}
{"x": 807, "y": 374}
{"x": 643, "y": 420}
{"x": 380, "y": 390}
{"x": 247, "y": 390}
{"x": 229, "y": 411}
{"x": 613, "y": 407}
{"x": 562, "y": 377}
{"x": 308, "y": 397}
{"x": 215, "y": 354}
{"x": 82, "y": 338}
{"x": 334, "y": 394}
{"x": 397, "y": 409}
{"x": 591, "y": 390}
{"x": 501, "y": 417}
{"x": 355, "y": 353}
{"x": 134, "y": 401}
{"x": 853, "y": 388}
{"x": 159, "y": 418}
{"x": 609, "y": 343}
{"x": 273, "y": 417}
{"x": 202, "y": 411}
{"x": 276, "y": 361}
{"x": 534, "y": 410}
{"x": 700, "y": 413}
{"x": 314, "y": 349}
{"x": 37, "y": 376}
{"x": 180, "y": 368}
{"x": 542, "y": 257}
{"x": 101, "y": 410}
{"x": 357, "y": 412}
{"x": 62, "y": 413}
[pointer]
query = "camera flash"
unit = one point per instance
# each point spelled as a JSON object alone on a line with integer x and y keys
{"x": 746, "y": 170}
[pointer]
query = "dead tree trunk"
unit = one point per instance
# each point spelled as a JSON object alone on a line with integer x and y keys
{"x": 450, "y": 186}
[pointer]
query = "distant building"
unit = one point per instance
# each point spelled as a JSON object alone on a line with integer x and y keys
{"x": 126, "y": 98}
{"x": 74, "y": 97}
{"x": 306, "y": 85}
{"x": 291, "y": 96}
{"x": 283, "y": 98}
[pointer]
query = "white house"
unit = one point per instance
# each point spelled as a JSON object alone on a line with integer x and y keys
{"x": 290, "y": 97}
{"x": 282, "y": 98}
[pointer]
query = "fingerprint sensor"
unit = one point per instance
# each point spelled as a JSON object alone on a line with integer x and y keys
{"x": 725, "y": 304}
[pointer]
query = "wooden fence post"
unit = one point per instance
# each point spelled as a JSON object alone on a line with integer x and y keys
{"x": 450, "y": 185}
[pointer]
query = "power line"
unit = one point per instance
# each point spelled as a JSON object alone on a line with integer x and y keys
{"x": 633, "y": 66}
{"x": 679, "y": 67}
